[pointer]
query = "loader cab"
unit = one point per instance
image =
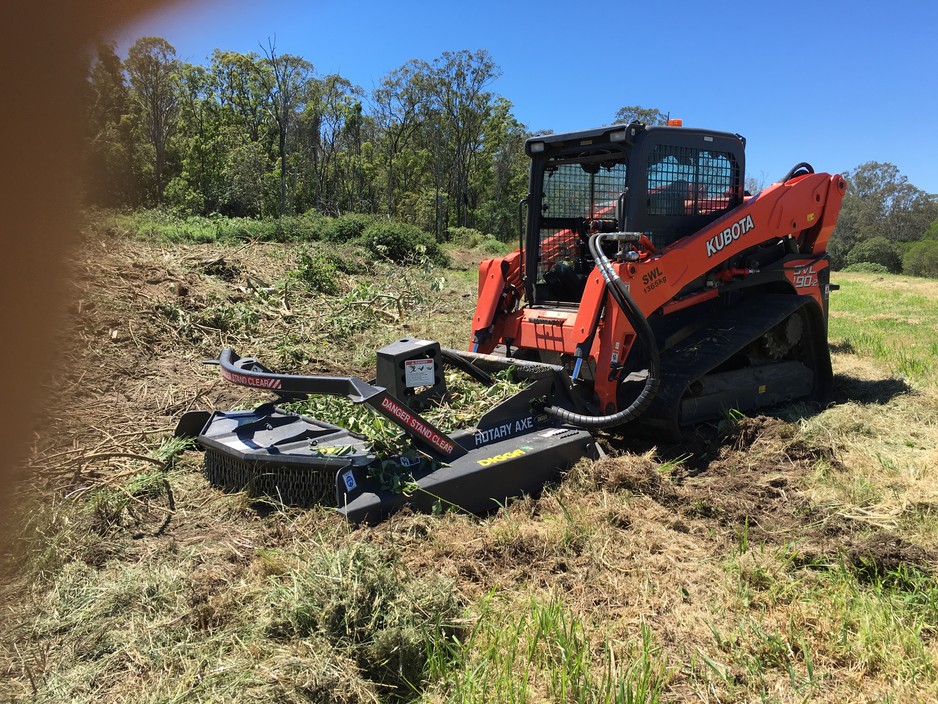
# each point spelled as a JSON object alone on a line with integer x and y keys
{"x": 666, "y": 182}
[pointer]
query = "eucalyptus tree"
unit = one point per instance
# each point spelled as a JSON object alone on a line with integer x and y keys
{"x": 109, "y": 130}
{"x": 459, "y": 87}
{"x": 636, "y": 113}
{"x": 287, "y": 82}
{"x": 200, "y": 142}
{"x": 398, "y": 105}
{"x": 503, "y": 180}
{"x": 333, "y": 118}
{"x": 153, "y": 71}
{"x": 247, "y": 130}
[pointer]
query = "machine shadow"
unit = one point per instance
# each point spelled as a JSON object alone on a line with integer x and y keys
{"x": 698, "y": 446}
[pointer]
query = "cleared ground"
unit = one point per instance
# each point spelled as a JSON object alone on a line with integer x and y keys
{"x": 780, "y": 558}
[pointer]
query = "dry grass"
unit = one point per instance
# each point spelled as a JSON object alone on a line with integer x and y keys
{"x": 778, "y": 559}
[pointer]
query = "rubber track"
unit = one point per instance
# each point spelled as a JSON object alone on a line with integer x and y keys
{"x": 707, "y": 348}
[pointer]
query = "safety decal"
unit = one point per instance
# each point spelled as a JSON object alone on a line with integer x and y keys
{"x": 410, "y": 421}
{"x": 256, "y": 382}
{"x": 418, "y": 372}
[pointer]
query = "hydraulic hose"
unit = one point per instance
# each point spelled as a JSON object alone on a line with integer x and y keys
{"x": 620, "y": 293}
{"x": 799, "y": 169}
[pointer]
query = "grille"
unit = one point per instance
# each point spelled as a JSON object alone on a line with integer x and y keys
{"x": 557, "y": 246}
{"x": 293, "y": 486}
{"x": 689, "y": 181}
{"x": 571, "y": 192}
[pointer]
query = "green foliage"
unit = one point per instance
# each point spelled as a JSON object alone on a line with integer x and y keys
{"x": 153, "y": 71}
{"x": 168, "y": 226}
{"x": 465, "y": 236}
{"x": 867, "y": 268}
{"x": 880, "y": 203}
{"x": 922, "y": 259}
{"x": 237, "y": 318}
{"x": 244, "y": 172}
{"x": 932, "y": 232}
{"x": 636, "y": 113}
{"x": 877, "y": 250}
{"x": 262, "y": 135}
{"x": 319, "y": 272}
{"x": 346, "y": 228}
{"x": 401, "y": 243}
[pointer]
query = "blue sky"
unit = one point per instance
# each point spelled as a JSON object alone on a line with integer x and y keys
{"x": 833, "y": 84}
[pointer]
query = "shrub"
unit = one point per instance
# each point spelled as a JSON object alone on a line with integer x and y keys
{"x": 877, "y": 250}
{"x": 465, "y": 236}
{"x": 349, "y": 261}
{"x": 319, "y": 272}
{"x": 402, "y": 243}
{"x": 346, "y": 227}
{"x": 867, "y": 268}
{"x": 231, "y": 229}
{"x": 922, "y": 259}
{"x": 490, "y": 245}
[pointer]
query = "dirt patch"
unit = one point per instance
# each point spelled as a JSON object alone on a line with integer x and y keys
{"x": 882, "y": 556}
{"x": 752, "y": 486}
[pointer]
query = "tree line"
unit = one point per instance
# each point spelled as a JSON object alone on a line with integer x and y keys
{"x": 886, "y": 224}
{"x": 262, "y": 134}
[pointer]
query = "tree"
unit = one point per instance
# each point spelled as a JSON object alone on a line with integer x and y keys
{"x": 399, "y": 102}
{"x": 240, "y": 94}
{"x": 200, "y": 142}
{"x": 285, "y": 80}
{"x": 636, "y": 113}
{"x": 922, "y": 259}
{"x": 458, "y": 87}
{"x": 880, "y": 202}
{"x": 332, "y": 122}
{"x": 259, "y": 133}
{"x": 877, "y": 250}
{"x": 109, "y": 133}
{"x": 153, "y": 71}
{"x": 504, "y": 179}
{"x": 755, "y": 184}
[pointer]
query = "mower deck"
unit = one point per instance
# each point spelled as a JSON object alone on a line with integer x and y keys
{"x": 302, "y": 461}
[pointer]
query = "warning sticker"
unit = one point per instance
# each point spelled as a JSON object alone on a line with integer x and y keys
{"x": 418, "y": 372}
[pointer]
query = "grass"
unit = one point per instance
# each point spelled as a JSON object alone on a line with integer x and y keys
{"x": 543, "y": 652}
{"x": 805, "y": 623}
{"x": 794, "y": 561}
{"x": 892, "y": 319}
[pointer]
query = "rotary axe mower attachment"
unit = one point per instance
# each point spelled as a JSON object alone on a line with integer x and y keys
{"x": 515, "y": 448}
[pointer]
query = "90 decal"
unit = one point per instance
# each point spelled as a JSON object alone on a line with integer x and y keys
{"x": 805, "y": 277}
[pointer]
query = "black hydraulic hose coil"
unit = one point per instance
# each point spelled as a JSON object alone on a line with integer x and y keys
{"x": 800, "y": 169}
{"x": 620, "y": 293}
